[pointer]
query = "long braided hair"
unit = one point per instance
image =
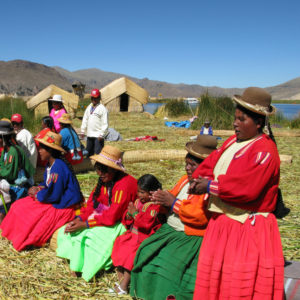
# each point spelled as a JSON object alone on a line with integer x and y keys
{"x": 104, "y": 169}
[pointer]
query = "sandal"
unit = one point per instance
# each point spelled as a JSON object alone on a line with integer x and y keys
{"x": 117, "y": 290}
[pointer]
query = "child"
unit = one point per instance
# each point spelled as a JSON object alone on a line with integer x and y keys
{"x": 142, "y": 219}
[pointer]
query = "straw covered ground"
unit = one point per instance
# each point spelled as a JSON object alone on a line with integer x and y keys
{"x": 39, "y": 274}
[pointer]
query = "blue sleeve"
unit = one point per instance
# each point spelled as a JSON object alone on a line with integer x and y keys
{"x": 201, "y": 131}
{"x": 63, "y": 189}
{"x": 210, "y": 131}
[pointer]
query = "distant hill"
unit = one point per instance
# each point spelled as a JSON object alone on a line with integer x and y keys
{"x": 28, "y": 78}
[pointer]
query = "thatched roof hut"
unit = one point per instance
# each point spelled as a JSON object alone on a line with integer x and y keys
{"x": 124, "y": 95}
{"x": 42, "y": 106}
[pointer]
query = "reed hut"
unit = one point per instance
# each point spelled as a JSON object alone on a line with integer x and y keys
{"x": 124, "y": 95}
{"x": 41, "y": 106}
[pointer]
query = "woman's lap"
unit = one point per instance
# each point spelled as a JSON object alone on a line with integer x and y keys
{"x": 167, "y": 260}
{"x": 90, "y": 249}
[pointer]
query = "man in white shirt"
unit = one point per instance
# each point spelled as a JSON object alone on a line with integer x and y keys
{"x": 24, "y": 138}
{"x": 95, "y": 124}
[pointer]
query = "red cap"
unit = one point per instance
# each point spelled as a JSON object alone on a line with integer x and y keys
{"x": 16, "y": 118}
{"x": 95, "y": 93}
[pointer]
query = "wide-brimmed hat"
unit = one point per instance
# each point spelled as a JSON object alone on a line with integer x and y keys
{"x": 111, "y": 157}
{"x": 65, "y": 119}
{"x": 257, "y": 100}
{"x": 6, "y": 128}
{"x": 52, "y": 140}
{"x": 56, "y": 98}
{"x": 202, "y": 147}
{"x": 206, "y": 121}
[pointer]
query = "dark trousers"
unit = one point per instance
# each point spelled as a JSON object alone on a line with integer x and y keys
{"x": 94, "y": 146}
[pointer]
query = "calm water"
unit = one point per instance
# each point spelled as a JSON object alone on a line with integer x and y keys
{"x": 289, "y": 111}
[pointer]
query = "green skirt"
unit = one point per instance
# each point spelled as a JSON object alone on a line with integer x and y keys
{"x": 166, "y": 264}
{"x": 90, "y": 249}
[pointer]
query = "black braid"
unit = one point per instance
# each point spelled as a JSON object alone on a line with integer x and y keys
{"x": 271, "y": 135}
{"x": 97, "y": 192}
{"x": 280, "y": 210}
{"x": 62, "y": 157}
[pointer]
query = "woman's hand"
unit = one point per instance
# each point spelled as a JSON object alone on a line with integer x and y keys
{"x": 198, "y": 186}
{"x": 33, "y": 190}
{"x": 75, "y": 225}
{"x": 131, "y": 208}
{"x": 164, "y": 198}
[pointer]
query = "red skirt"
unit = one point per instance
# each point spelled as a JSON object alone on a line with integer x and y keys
{"x": 240, "y": 260}
{"x": 30, "y": 222}
{"x": 124, "y": 250}
{"x": 69, "y": 156}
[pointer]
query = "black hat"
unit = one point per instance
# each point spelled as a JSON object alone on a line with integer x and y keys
{"x": 6, "y": 128}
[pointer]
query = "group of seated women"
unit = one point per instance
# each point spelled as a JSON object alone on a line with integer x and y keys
{"x": 212, "y": 236}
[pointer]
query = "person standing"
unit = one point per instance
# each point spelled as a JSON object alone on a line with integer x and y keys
{"x": 95, "y": 124}
{"x": 241, "y": 255}
{"x": 24, "y": 139}
{"x": 57, "y": 110}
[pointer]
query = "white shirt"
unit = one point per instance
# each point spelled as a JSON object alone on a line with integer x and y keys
{"x": 95, "y": 121}
{"x": 26, "y": 142}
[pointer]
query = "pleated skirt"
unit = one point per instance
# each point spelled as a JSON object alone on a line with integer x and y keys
{"x": 166, "y": 264}
{"x": 89, "y": 250}
{"x": 31, "y": 223}
{"x": 240, "y": 261}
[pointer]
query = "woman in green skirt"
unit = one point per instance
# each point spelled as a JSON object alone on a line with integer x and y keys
{"x": 166, "y": 262}
{"x": 87, "y": 241}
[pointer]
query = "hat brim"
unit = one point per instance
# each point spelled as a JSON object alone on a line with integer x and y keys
{"x": 255, "y": 108}
{"x": 53, "y": 146}
{"x": 7, "y": 132}
{"x": 202, "y": 154}
{"x": 102, "y": 160}
{"x": 55, "y": 100}
{"x": 64, "y": 121}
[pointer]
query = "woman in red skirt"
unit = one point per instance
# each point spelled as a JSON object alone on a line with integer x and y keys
{"x": 241, "y": 254}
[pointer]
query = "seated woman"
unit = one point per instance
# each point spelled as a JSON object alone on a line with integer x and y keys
{"x": 47, "y": 125}
{"x": 166, "y": 262}
{"x": 33, "y": 219}
{"x": 87, "y": 241}
{"x": 57, "y": 110}
{"x": 70, "y": 140}
{"x": 14, "y": 166}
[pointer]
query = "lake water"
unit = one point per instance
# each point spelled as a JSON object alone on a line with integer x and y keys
{"x": 289, "y": 111}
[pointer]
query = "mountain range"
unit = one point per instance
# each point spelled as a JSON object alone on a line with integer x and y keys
{"x": 26, "y": 78}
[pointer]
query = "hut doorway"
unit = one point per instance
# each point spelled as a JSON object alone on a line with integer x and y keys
{"x": 124, "y": 100}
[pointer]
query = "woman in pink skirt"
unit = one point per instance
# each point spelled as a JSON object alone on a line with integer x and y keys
{"x": 241, "y": 254}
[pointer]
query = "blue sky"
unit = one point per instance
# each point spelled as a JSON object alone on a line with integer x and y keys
{"x": 222, "y": 43}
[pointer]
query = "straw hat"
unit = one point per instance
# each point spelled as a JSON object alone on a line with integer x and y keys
{"x": 65, "y": 119}
{"x": 52, "y": 140}
{"x": 111, "y": 157}
{"x": 6, "y": 128}
{"x": 257, "y": 100}
{"x": 202, "y": 147}
{"x": 56, "y": 98}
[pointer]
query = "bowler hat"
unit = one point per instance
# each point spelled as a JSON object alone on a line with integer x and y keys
{"x": 6, "y": 128}
{"x": 257, "y": 100}
{"x": 203, "y": 146}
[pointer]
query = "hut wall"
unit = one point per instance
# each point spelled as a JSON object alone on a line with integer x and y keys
{"x": 42, "y": 109}
{"x": 133, "y": 106}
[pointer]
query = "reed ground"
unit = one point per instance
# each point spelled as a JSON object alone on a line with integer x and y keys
{"x": 39, "y": 274}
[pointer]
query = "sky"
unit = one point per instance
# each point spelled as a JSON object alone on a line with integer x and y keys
{"x": 225, "y": 43}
